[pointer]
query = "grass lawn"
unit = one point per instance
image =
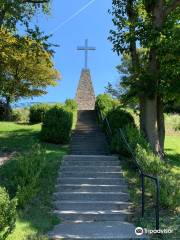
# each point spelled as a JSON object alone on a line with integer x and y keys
{"x": 172, "y": 149}
{"x": 36, "y": 217}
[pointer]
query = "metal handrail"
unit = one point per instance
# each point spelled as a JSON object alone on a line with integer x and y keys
{"x": 143, "y": 175}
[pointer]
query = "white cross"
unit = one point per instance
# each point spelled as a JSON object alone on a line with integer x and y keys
{"x": 86, "y": 49}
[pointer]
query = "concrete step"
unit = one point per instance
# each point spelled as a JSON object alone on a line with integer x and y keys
{"x": 95, "y": 231}
{"x": 90, "y": 158}
{"x": 89, "y": 135}
{"x": 83, "y": 174}
{"x": 98, "y": 163}
{"x": 70, "y": 180}
{"x": 92, "y": 196}
{"x": 93, "y": 215}
{"x": 89, "y": 148}
{"x": 80, "y": 152}
{"x": 87, "y": 139}
{"x": 84, "y": 142}
{"x": 93, "y": 168}
{"x": 73, "y": 205}
{"x": 90, "y": 188}
{"x": 87, "y": 127}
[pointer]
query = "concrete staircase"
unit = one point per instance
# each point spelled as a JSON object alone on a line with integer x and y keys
{"x": 91, "y": 197}
{"x": 88, "y": 138}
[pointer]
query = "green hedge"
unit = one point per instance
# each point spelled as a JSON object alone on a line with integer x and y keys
{"x": 20, "y": 115}
{"x": 71, "y": 105}
{"x": 37, "y": 112}
{"x": 7, "y": 214}
{"x": 57, "y": 125}
{"x": 119, "y": 118}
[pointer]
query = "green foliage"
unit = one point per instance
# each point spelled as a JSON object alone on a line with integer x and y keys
{"x": 14, "y": 12}
{"x": 57, "y": 125}
{"x": 37, "y": 112}
{"x": 172, "y": 122}
{"x": 119, "y": 118}
{"x": 7, "y": 214}
{"x": 23, "y": 174}
{"x": 20, "y": 115}
{"x": 37, "y": 237}
{"x": 149, "y": 163}
{"x": 117, "y": 145}
{"x": 26, "y": 67}
{"x": 105, "y": 103}
{"x": 36, "y": 216}
{"x": 177, "y": 127}
{"x": 71, "y": 104}
{"x": 169, "y": 183}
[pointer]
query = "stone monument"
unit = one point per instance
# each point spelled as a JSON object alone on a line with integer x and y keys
{"x": 85, "y": 96}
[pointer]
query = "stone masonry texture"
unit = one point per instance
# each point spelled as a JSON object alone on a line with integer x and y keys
{"x": 85, "y": 96}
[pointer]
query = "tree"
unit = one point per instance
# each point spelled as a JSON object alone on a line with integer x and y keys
{"x": 26, "y": 68}
{"x": 148, "y": 23}
{"x": 14, "y": 11}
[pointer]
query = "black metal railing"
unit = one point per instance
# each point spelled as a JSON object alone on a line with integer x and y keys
{"x": 143, "y": 175}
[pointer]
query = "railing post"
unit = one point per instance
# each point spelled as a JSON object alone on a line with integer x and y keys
{"x": 157, "y": 202}
{"x": 143, "y": 190}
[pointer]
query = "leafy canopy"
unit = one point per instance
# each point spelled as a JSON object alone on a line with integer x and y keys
{"x": 26, "y": 67}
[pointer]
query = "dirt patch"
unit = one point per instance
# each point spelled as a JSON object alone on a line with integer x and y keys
{"x": 6, "y": 157}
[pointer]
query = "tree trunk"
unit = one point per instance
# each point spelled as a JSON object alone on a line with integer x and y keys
{"x": 8, "y": 109}
{"x": 142, "y": 114}
{"x": 161, "y": 125}
{"x": 150, "y": 117}
{"x": 154, "y": 123}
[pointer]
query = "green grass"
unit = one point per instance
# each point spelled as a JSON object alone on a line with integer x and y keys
{"x": 168, "y": 218}
{"x": 36, "y": 217}
{"x": 172, "y": 149}
{"x": 18, "y": 137}
{"x": 172, "y": 122}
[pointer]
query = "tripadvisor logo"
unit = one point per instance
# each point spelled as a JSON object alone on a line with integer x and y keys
{"x": 139, "y": 231}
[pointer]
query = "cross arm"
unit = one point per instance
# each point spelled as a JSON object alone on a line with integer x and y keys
{"x": 83, "y": 48}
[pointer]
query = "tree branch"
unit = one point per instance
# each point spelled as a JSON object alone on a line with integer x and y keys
{"x": 172, "y": 6}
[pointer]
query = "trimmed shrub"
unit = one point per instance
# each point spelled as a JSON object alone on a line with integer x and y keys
{"x": 37, "y": 112}
{"x": 20, "y": 115}
{"x": 23, "y": 174}
{"x": 119, "y": 118}
{"x": 7, "y": 214}
{"x": 57, "y": 125}
{"x": 105, "y": 103}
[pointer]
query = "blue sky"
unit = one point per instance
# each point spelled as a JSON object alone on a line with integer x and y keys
{"x": 93, "y": 23}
